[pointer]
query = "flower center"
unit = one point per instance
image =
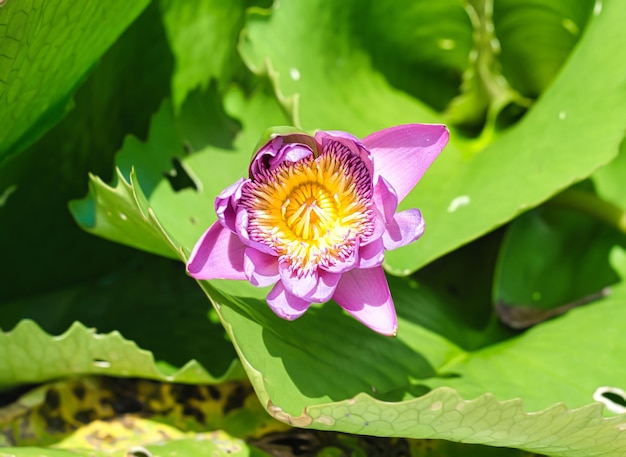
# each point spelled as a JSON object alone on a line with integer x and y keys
{"x": 312, "y": 212}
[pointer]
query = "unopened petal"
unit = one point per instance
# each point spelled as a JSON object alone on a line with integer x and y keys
{"x": 279, "y": 149}
{"x": 261, "y": 269}
{"x": 406, "y": 227}
{"x": 286, "y": 305}
{"x": 365, "y": 294}
{"x": 218, "y": 254}
{"x": 402, "y": 154}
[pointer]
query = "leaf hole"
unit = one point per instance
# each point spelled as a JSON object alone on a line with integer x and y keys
{"x": 179, "y": 178}
{"x": 613, "y": 398}
{"x": 101, "y": 363}
{"x": 139, "y": 451}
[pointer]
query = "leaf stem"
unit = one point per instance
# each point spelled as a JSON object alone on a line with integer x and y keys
{"x": 593, "y": 205}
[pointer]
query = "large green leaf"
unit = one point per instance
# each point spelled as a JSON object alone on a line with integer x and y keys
{"x": 46, "y": 50}
{"x": 30, "y": 355}
{"x": 304, "y": 379}
{"x": 472, "y": 187}
{"x": 41, "y": 180}
{"x": 317, "y": 57}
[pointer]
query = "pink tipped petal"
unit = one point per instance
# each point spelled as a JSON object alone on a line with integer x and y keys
{"x": 403, "y": 153}
{"x": 321, "y": 135}
{"x": 385, "y": 198}
{"x": 301, "y": 286}
{"x": 218, "y": 254}
{"x": 226, "y": 204}
{"x": 365, "y": 294}
{"x": 406, "y": 227}
{"x": 372, "y": 255}
{"x": 316, "y": 287}
{"x": 260, "y": 269}
{"x": 325, "y": 287}
{"x": 285, "y": 305}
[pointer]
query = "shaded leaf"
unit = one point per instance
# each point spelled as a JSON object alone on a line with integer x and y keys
{"x": 109, "y": 106}
{"x": 536, "y": 38}
{"x": 148, "y": 300}
{"x": 552, "y": 258}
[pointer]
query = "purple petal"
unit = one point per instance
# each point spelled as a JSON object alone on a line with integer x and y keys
{"x": 406, "y": 227}
{"x": 334, "y": 134}
{"x": 284, "y": 304}
{"x": 226, "y": 204}
{"x": 325, "y": 139}
{"x": 365, "y": 294}
{"x": 241, "y": 229}
{"x": 372, "y": 255}
{"x": 403, "y": 153}
{"x": 218, "y": 254}
{"x": 261, "y": 269}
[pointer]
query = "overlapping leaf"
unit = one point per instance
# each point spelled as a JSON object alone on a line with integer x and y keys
{"x": 30, "y": 355}
{"x": 314, "y": 371}
{"x": 466, "y": 193}
{"x": 46, "y": 50}
{"x": 41, "y": 179}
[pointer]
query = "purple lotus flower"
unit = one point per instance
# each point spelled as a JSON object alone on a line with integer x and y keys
{"x": 315, "y": 216}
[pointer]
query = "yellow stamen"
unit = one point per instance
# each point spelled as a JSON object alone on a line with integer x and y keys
{"x": 312, "y": 212}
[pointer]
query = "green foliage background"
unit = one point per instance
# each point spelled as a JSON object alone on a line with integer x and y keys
{"x": 137, "y": 114}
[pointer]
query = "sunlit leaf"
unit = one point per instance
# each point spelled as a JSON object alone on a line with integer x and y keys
{"x": 472, "y": 187}
{"x": 46, "y": 50}
{"x": 30, "y": 355}
{"x": 203, "y": 35}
